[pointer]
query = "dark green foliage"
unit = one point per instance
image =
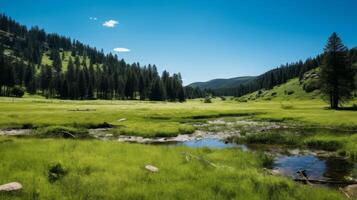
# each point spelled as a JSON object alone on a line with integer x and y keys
{"x": 272, "y": 138}
{"x": 328, "y": 145}
{"x": 311, "y": 85}
{"x": 289, "y": 92}
{"x": 207, "y": 100}
{"x": 56, "y": 172}
{"x": 17, "y": 91}
{"x": 336, "y": 72}
{"x": 266, "y": 160}
{"x": 106, "y": 77}
{"x": 158, "y": 92}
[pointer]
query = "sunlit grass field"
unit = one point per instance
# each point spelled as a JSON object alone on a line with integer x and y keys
{"x": 162, "y": 118}
{"x": 112, "y": 170}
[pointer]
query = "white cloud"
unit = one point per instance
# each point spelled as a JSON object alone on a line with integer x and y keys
{"x": 121, "y": 50}
{"x": 110, "y": 24}
{"x": 93, "y": 18}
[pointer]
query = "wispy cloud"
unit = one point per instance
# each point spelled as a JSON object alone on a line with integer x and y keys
{"x": 93, "y": 18}
{"x": 121, "y": 49}
{"x": 110, "y": 24}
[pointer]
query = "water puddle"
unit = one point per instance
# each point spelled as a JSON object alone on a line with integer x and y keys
{"x": 332, "y": 169}
{"x": 317, "y": 165}
{"x": 207, "y": 142}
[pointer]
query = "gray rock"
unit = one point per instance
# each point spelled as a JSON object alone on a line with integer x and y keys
{"x": 152, "y": 168}
{"x": 14, "y": 186}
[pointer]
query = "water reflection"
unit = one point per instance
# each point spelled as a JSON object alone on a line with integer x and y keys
{"x": 321, "y": 168}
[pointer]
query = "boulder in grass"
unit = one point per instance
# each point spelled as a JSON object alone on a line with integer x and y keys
{"x": 152, "y": 168}
{"x": 9, "y": 187}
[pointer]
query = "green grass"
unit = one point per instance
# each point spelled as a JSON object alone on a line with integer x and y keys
{"x": 111, "y": 170}
{"x": 47, "y": 61}
{"x": 162, "y": 118}
{"x": 344, "y": 143}
{"x": 291, "y": 90}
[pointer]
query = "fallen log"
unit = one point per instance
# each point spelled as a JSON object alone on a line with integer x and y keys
{"x": 325, "y": 181}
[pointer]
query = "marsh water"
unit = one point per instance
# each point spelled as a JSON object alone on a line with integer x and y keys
{"x": 318, "y": 165}
{"x": 288, "y": 161}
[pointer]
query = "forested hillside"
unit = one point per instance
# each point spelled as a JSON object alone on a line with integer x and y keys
{"x": 270, "y": 79}
{"x": 222, "y": 83}
{"x": 55, "y": 66}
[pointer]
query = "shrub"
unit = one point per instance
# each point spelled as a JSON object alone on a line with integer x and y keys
{"x": 207, "y": 100}
{"x": 17, "y": 91}
{"x": 273, "y": 94}
{"x": 290, "y": 92}
{"x": 56, "y": 172}
{"x": 311, "y": 85}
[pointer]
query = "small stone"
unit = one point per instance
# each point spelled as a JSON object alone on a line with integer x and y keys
{"x": 152, "y": 168}
{"x": 122, "y": 119}
{"x": 14, "y": 186}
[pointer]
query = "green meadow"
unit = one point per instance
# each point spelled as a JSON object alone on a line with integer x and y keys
{"x": 112, "y": 170}
{"x": 97, "y": 169}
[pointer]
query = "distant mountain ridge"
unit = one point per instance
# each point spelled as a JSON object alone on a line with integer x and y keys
{"x": 222, "y": 83}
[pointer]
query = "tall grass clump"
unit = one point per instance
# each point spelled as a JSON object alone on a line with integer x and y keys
{"x": 283, "y": 138}
{"x": 324, "y": 144}
{"x": 61, "y": 132}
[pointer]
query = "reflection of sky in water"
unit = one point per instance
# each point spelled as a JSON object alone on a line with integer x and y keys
{"x": 208, "y": 142}
{"x": 289, "y": 165}
{"x": 315, "y": 167}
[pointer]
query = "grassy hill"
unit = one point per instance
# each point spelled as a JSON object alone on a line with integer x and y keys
{"x": 222, "y": 83}
{"x": 305, "y": 89}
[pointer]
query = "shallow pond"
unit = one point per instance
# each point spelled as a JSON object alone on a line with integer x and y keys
{"x": 327, "y": 168}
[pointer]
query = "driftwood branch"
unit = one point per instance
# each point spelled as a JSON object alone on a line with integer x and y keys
{"x": 326, "y": 181}
{"x": 345, "y": 193}
{"x": 189, "y": 156}
{"x": 68, "y": 134}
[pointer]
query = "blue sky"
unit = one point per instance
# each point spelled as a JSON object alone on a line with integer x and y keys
{"x": 202, "y": 39}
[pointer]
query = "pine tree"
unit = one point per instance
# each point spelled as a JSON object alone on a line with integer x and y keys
{"x": 157, "y": 91}
{"x": 336, "y": 72}
{"x": 56, "y": 60}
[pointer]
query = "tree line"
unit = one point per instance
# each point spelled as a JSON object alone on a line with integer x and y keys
{"x": 89, "y": 74}
{"x": 338, "y": 75}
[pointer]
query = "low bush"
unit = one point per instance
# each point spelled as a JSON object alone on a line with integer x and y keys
{"x": 56, "y": 172}
{"x": 311, "y": 85}
{"x": 207, "y": 100}
{"x": 17, "y": 91}
{"x": 290, "y": 92}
